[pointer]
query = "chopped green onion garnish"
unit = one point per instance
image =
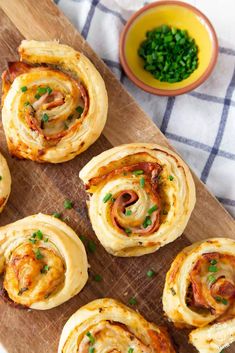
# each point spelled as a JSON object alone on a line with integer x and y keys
{"x": 138, "y": 172}
{"x": 97, "y": 278}
{"x": 151, "y": 273}
{"x": 26, "y": 104}
{"x": 170, "y": 177}
{"x": 24, "y": 89}
{"x": 147, "y": 222}
{"x": 38, "y": 254}
{"x": 46, "y": 240}
{"x": 37, "y": 96}
{"x": 91, "y": 338}
{"x": 213, "y": 268}
{"x": 128, "y": 213}
{"x": 49, "y": 90}
{"x": 33, "y": 240}
{"x": 221, "y": 300}
{"x": 91, "y": 246}
{"x": 79, "y": 109}
{"x": 39, "y": 235}
{"x": 213, "y": 262}
{"x": 42, "y": 90}
{"x": 152, "y": 209}
{"x": 130, "y": 350}
{"x": 82, "y": 238}
{"x": 132, "y": 301}
{"x": 45, "y": 118}
{"x": 45, "y": 269}
{"x": 57, "y": 215}
{"x": 68, "y": 204}
{"x": 169, "y": 54}
{"x": 91, "y": 349}
{"x": 142, "y": 182}
{"x": 127, "y": 230}
{"x": 211, "y": 279}
{"x": 107, "y": 197}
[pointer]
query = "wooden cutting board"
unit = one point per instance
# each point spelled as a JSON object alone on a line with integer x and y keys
{"x": 44, "y": 187}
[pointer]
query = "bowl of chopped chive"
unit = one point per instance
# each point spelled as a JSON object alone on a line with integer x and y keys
{"x": 168, "y": 48}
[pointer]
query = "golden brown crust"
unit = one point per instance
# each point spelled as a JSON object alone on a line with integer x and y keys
{"x": 43, "y": 262}
{"x": 200, "y": 291}
{"x": 141, "y": 197}
{"x": 106, "y": 324}
{"x": 54, "y": 103}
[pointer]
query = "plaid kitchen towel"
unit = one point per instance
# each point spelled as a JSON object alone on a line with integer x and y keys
{"x": 200, "y": 124}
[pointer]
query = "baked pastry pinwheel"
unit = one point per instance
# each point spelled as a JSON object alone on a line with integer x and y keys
{"x": 54, "y": 102}
{"x": 5, "y": 182}
{"x": 105, "y": 325}
{"x": 200, "y": 292}
{"x": 43, "y": 262}
{"x": 142, "y": 196}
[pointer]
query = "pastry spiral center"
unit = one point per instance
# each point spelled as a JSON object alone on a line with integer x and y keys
{"x": 213, "y": 283}
{"x": 32, "y": 274}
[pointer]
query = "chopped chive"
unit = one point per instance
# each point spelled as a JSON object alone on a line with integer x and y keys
{"x": 147, "y": 222}
{"x": 68, "y": 204}
{"x": 170, "y": 177}
{"x": 127, "y": 230}
{"x": 38, "y": 254}
{"x": 138, "y": 172}
{"x": 49, "y": 90}
{"x": 142, "y": 182}
{"x": 45, "y": 118}
{"x": 82, "y": 238}
{"x": 151, "y": 273}
{"x": 152, "y": 209}
{"x": 39, "y": 235}
{"x": 79, "y": 109}
{"x": 130, "y": 350}
{"x": 97, "y": 278}
{"x": 107, "y": 197}
{"x": 24, "y": 89}
{"x": 37, "y": 96}
{"x": 91, "y": 338}
{"x": 26, "y": 103}
{"x": 128, "y": 213}
{"x": 91, "y": 350}
{"x": 57, "y": 215}
{"x": 113, "y": 199}
{"x": 132, "y": 301}
{"x": 91, "y": 246}
{"x": 42, "y": 90}
{"x": 46, "y": 240}
{"x": 213, "y": 268}
{"x": 32, "y": 240}
{"x": 45, "y": 269}
{"x": 211, "y": 279}
{"x": 213, "y": 262}
{"x": 224, "y": 301}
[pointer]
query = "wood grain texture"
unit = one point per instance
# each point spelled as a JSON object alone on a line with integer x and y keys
{"x": 43, "y": 188}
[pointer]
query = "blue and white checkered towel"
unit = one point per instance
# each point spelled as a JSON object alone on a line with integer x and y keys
{"x": 201, "y": 124}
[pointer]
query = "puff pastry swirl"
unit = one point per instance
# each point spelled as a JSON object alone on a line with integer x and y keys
{"x": 54, "y": 102}
{"x": 5, "y": 182}
{"x": 200, "y": 292}
{"x": 142, "y": 196}
{"x": 105, "y": 325}
{"x": 43, "y": 262}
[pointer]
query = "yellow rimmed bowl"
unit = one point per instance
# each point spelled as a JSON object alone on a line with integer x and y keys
{"x": 175, "y": 14}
